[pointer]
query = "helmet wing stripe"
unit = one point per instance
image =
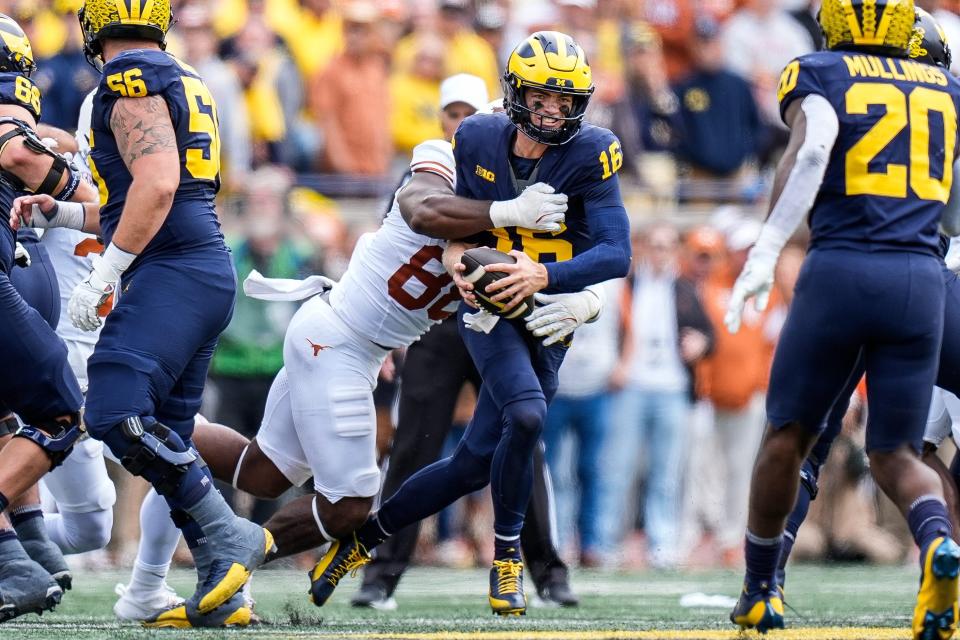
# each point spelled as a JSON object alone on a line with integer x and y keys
{"x": 852, "y": 22}
{"x": 121, "y": 6}
{"x": 888, "y": 12}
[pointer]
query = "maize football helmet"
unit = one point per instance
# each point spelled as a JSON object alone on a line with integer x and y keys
{"x": 928, "y": 43}
{"x": 16, "y": 54}
{"x": 133, "y": 19}
{"x": 550, "y": 61}
{"x": 878, "y": 26}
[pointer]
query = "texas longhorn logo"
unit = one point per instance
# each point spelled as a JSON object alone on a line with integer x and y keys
{"x": 317, "y": 348}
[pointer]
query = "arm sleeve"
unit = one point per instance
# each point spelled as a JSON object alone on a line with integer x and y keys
{"x": 609, "y": 257}
{"x": 805, "y": 178}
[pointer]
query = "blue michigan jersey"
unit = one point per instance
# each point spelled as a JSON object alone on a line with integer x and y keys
{"x": 15, "y": 90}
{"x": 585, "y": 168}
{"x": 891, "y": 168}
{"x": 192, "y": 221}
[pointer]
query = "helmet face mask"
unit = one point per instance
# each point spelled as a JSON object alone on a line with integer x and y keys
{"x": 551, "y": 62}
{"x": 16, "y": 54}
{"x": 100, "y": 19}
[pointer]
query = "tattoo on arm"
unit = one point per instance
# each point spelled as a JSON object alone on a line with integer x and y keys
{"x": 142, "y": 126}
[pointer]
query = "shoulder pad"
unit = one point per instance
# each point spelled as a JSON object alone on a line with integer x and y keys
{"x": 802, "y": 77}
{"x": 434, "y": 156}
{"x": 600, "y": 150}
{"x": 20, "y": 91}
{"x": 138, "y": 73}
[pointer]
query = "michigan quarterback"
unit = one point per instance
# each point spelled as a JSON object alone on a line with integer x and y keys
{"x": 540, "y": 137}
{"x": 871, "y": 157}
{"x": 155, "y": 155}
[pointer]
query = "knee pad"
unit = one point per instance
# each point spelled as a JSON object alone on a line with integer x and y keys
{"x": 152, "y": 453}
{"x": 55, "y": 438}
{"x": 87, "y": 531}
{"x": 526, "y": 416}
{"x": 809, "y": 473}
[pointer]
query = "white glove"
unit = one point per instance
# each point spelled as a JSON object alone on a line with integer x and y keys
{"x": 481, "y": 321}
{"x": 99, "y": 285}
{"x": 562, "y": 314}
{"x": 538, "y": 207}
{"x": 953, "y": 262}
{"x": 756, "y": 279}
{"x": 21, "y": 257}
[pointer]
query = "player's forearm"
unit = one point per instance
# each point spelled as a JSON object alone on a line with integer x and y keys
{"x": 147, "y": 206}
{"x": 438, "y": 213}
{"x": 607, "y": 259}
{"x": 452, "y": 254}
{"x": 66, "y": 143}
{"x": 814, "y": 128}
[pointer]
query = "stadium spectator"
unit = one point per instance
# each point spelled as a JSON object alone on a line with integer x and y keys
{"x": 414, "y": 95}
{"x": 350, "y": 101}
{"x": 667, "y": 334}
{"x": 734, "y": 379}
{"x": 949, "y": 21}
{"x": 643, "y": 120}
{"x": 250, "y": 352}
{"x": 718, "y": 126}
{"x": 65, "y": 78}
{"x": 580, "y": 412}
{"x": 464, "y": 50}
{"x": 313, "y": 32}
{"x": 272, "y": 92}
{"x": 200, "y": 50}
{"x": 673, "y": 20}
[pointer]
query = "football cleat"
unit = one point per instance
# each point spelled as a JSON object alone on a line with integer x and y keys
{"x": 236, "y": 557}
{"x": 26, "y": 587}
{"x": 137, "y": 607}
{"x": 345, "y": 555}
{"x": 935, "y": 616}
{"x": 557, "y": 593}
{"x": 761, "y": 611}
{"x": 236, "y": 612}
{"x": 506, "y": 588}
{"x": 374, "y": 596}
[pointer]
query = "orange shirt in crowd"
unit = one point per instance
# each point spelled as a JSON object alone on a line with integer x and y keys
{"x": 349, "y": 101}
{"x": 739, "y": 366}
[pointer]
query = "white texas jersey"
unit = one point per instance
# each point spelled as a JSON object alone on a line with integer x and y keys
{"x": 69, "y": 249}
{"x": 395, "y": 287}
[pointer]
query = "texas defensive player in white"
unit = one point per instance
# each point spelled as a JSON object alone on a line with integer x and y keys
{"x": 81, "y": 489}
{"x": 320, "y": 418}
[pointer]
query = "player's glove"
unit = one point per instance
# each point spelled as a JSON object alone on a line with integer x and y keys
{"x": 96, "y": 289}
{"x": 755, "y": 280}
{"x": 21, "y": 257}
{"x": 538, "y": 207}
{"x": 562, "y": 313}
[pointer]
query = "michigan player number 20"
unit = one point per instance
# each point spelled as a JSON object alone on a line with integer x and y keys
{"x": 902, "y": 110}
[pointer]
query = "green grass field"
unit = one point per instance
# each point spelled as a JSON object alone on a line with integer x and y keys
{"x": 841, "y": 602}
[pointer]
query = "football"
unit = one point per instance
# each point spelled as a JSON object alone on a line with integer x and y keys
{"x": 476, "y": 260}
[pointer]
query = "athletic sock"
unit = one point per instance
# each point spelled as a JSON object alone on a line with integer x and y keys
{"x": 147, "y": 578}
{"x": 506, "y": 548}
{"x": 761, "y": 555}
{"x": 928, "y": 520}
{"x": 371, "y": 533}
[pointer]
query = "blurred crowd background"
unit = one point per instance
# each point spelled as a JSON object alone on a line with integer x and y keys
{"x": 653, "y": 433}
